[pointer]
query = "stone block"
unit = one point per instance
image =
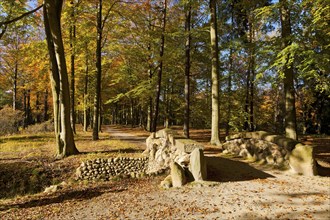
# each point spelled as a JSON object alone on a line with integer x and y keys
{"x": 301, "y": 160}
{"x": 177, "y": 175}
{"x": 198, "y": 165}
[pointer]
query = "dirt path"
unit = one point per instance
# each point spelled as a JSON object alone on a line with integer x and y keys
{"x": 236, "y": 190}
{"x": 120, "y": 134}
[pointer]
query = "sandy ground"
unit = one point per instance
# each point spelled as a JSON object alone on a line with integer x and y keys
{"x": 236, "y": 190}
{"x": 278, "y": 196}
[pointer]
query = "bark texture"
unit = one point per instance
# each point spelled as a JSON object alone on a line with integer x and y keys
{"x": 215, "y": 74}
{"x": 59, "y": 79}
{"x": 98, "y": 73}
{"x": 187, "y": 72}
{"x": 289, "y": 91}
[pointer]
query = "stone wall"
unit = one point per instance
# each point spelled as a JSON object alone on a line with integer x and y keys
{"x": 273, "y": 149}
{"x": 257, "y": 150}
{"x": 164, "y": 148}
{"x": 106, "y": 169}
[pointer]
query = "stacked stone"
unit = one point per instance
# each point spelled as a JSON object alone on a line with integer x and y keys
{"x": 184, "y": 157}
{"x": 106, "y": 169}
{"x": 166, "y": 146}
{"x": 258, "y": 150}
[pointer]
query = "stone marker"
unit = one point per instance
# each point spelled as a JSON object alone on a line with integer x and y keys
{"x": 301, "y": 160}
{"x": 177, "y": 174}
{"x": 198, "y": 165}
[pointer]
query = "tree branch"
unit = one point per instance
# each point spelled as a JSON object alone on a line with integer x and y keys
{"x": 21, "y": 16}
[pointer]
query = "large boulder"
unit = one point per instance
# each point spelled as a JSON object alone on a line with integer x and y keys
{"x": 198, "y": 165}
{"x": 301, "y": 160}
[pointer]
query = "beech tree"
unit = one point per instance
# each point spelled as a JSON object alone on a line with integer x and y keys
{"x": 59, "y": 79}
{"x": 289, "y": 91}
{"x": 215, "y": 74}
{"x": 160, "y": 65}
{"x": 187, "y": 69}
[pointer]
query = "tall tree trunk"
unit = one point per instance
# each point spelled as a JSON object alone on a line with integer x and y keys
{"x": 59, "y": 79}
{"x": 160, "y": 68}
{"x": 187, "y": 71}
{"x": 229, "y": 91}
{"x": 98, "y": 74}
{"x": 24, "y": 108}
{"x": 45, "y": 114}
{"x": 38, "y": 115}
{"x": 72, "y": 61}
{"x": 215, "y": 140}
{"x": 252, "y": 71}
{"x": 247, "y": 99}
{"x": 252, "y": 124}
{"x": 15, "y": 86}
{"x": 86, "y": 112}
{"x": 167, "y": 101}
{"x": 150, "y": 74}
{"x": 28, "y": 108}
{"x": 149, "y": 111}
{"x": 289, "y": 91}
{"x": 250, "y": 76}
{"x": 149, "y": 116}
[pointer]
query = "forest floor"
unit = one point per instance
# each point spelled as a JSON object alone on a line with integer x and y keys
{"x": 237, "y": 189}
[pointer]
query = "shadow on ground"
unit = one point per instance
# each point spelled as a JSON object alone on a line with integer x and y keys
{"x": 323, "y": 170}
{"x": 226, "y": 170}
{"x": 59, "y": 197}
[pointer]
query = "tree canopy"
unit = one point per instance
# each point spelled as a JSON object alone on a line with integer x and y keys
{"x": 148, "y": 63}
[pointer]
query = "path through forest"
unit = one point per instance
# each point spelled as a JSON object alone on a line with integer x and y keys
{"x": 120, "y": 134}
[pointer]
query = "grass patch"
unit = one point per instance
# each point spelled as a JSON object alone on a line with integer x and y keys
{"x": 27, "y": 164}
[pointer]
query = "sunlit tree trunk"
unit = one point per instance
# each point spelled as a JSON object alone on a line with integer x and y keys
{"x": 59, "y": 79}
{"x": 187, "y": 71}
{"x": 289, "y": 91}
{"x": 215, "y": 74}
{"x": 160, "y": 67}
{"x": 86, "y": 111}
